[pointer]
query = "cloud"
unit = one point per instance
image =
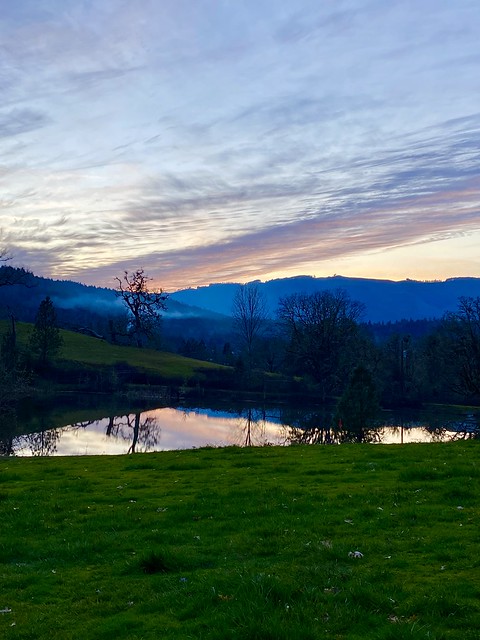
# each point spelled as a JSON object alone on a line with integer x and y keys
{"x": 92, "y": 79}
{"x": 18, "y": 121}
{"x": 214, "y": 141}
{"x": 197, "y": 229}
{"x": 292, "y": 245}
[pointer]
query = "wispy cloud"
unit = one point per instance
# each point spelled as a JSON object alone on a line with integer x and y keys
{"x": 209, "y": 142}
{"x": 18, "y": 121}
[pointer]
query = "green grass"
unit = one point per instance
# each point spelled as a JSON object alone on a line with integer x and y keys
{"x": 243, "y": 543}
{"x": 82, "y": 351}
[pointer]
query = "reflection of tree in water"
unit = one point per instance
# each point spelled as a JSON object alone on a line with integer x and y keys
{"x": 39, "y": 443}
{"x": 466, "y": 428}
{"x": 251, "y": 427}
{"x": 8, "y": 425}
{"x": 369, "y": 433}
{"x": 144, "y": 434}
{"x": 312, "y": 435}
{"x": 318, "y": 427}
{"x": 437, "y": 427}
{"x": 43, "y": 443}
{"x": 7, "y": 445}
{"x": 309, "y": 427}
{"x": 358, "y": 408}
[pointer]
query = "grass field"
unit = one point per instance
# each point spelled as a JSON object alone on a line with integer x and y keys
{"x": 82, "y": 351}
{"x": 243, "y": 543}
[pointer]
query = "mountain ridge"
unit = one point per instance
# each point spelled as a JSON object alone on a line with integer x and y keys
{"x": 384, "y": 300}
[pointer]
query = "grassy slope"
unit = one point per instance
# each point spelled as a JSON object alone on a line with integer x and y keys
{"x": 243, "y": 543}
{"x": 80, "y": 350}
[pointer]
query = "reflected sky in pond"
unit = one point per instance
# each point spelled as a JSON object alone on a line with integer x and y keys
{"x": 178, "y": 428}
{"x": 157, "y": 430}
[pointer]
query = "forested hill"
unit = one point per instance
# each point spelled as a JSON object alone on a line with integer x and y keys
{"x": 24, "y": 299}
{"x": 385, "y": 300}
{"x": 75, "y": 303}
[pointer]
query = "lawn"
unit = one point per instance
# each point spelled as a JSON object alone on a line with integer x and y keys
{"x": 344, "y": 542}
{"x": 82, "y": 351}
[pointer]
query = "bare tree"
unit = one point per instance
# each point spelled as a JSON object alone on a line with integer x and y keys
{"x": 463, "y": 345}
{"x": 249, "y": 312}
{"x": 321, "y": 328}
{"x": 9, "y": 275}
{"x": 143, "y": 303}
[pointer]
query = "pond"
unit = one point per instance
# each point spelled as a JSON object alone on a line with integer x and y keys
{"x": 180, "y": 427}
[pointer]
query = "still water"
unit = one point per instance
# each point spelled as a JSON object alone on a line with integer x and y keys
{"x": 168, "y": 428}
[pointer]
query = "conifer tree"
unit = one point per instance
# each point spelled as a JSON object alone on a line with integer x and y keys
{"x": 45, "y": 340}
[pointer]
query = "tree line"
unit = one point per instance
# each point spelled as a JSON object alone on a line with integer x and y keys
{"x": 317, "y": 341}
{"x": 320, "y": 337}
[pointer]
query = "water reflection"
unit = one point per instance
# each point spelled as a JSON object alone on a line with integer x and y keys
{"x": 321, "y": 426}
{"x": 254, "y": 429}
{"x": 170, "y": 428}
{"x": 142, "y": 433}
{"x": 440, "y": 426}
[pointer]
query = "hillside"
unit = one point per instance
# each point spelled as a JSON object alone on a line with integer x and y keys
{"x": 75, "y": 301}
{"x": 80, "y": 352}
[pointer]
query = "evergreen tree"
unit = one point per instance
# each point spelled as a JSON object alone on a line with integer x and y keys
{"x": 14, "y": 379}
{"x": 45, "y": 340}
{"x": 9, "y": 350}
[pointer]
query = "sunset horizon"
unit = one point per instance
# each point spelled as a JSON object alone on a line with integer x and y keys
{"x": 240, "y": 142}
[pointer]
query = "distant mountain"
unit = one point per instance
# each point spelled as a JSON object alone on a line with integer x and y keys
{"x": 385, "y": 300}
{"x": 72, "y": 299}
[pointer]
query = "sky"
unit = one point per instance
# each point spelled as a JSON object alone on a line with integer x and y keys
{"x": 227, "y": 141}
